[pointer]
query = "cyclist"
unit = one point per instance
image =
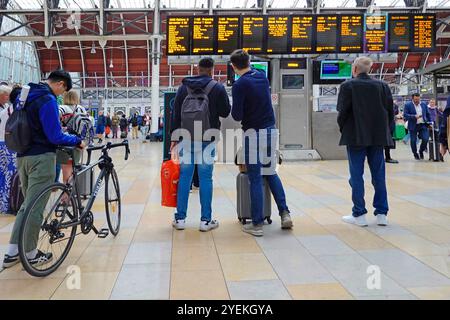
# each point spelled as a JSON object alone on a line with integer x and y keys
{"x": 37, "y": 165}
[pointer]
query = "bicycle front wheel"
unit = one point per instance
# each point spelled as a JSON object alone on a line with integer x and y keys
{"x": 43, "y": 230}
{"x": 113, "y": 202}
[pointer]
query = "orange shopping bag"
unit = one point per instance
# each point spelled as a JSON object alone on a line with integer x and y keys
{"x": 170, "y": 175}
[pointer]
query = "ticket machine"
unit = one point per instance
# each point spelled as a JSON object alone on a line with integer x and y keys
{"x": 291, "y": 90}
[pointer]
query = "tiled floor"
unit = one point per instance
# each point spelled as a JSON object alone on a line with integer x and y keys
{"x": 321, "y": 258}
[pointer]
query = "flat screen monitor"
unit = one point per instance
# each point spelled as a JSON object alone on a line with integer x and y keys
{"x": 335, "y": 70}
{"x": 259, "y": 65}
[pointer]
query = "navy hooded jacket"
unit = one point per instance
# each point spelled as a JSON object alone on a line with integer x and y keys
{"x": 43, "y": 118}
{"x": 219, "y": 104}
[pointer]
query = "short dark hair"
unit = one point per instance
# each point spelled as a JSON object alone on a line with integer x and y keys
{"x": 206, "y": 63}
{"x": 14, "y": 94}
{"x": 415, "y": 95}
{"x": 240, "y": 59}
{"x": 61, "y": 75}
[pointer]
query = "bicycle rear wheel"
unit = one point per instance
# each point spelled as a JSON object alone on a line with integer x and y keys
{"x": 42, "y": 231}
{"x": 113, "y": 204}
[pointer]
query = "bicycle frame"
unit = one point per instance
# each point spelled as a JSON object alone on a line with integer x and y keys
{"x": 106, "y": 165}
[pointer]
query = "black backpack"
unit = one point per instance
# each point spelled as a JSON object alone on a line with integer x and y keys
{"x": 18, "y": 131}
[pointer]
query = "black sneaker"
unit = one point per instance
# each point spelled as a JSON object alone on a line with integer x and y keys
{"x": 41, "y": 258}
{"x": 416, "y": 156}
{"x": 10, "y": 261}
{"x": 421, "y": 155}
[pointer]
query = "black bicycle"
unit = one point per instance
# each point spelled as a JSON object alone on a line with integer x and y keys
{"x": 62, "y": 208}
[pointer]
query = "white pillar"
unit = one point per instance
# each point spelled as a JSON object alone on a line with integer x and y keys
{"x": 156, "y": 59}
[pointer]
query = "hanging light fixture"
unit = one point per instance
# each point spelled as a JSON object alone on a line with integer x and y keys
{"x": 111, "y": 65}
{"x": 93, "y": 48}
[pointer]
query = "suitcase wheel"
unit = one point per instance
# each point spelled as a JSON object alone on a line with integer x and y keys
{"x": 269, "y": 221}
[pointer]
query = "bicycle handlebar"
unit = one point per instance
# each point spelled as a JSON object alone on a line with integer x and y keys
{"x": 107, "y": 147}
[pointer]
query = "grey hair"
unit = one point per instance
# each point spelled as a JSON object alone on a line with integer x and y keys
{"x": 363, "y": 64}
{"x": 5, "y": 89}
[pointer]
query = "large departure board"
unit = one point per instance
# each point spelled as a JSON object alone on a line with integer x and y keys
{"x": 399, "y": 32}
{"x": 203, "y": 35}
{"x": 253, "y": 28}
{"x": 351, "y": 33}
{"x": 178, "y": 35}
{"x": 326, "y": 33}
{"x": 302, "y": 32}
{"x": 228, "y": 30}
{"x": 375, "y": 29}
{"x": 424, "y": 26}
{"x": 277, "y": 34}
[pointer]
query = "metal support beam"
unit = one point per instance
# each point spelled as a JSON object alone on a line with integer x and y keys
{"x": 74, "y": 38}
{"x": 156, "y": 59}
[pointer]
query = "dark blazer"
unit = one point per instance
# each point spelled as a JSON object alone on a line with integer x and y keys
{"x": 409, "y": 113}
{"x": 366, "y": 112}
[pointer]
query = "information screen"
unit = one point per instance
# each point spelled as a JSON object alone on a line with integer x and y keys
{"x": 302, "y": 31}
{"x": 228, "y": 29}
{"x": 253, "y": 28}
{"x": 424, "y": 32}
{"x": 277, "y": 34}
{"x": 178, "y": 31}
{"x": 333, "y": 70}
{"x": 203, "y": 35}
{"x": 351, "y": 33}
{"x": 375, "y": 27}
{"x": 399, "y": 32}
{"x": 326, "y": 40}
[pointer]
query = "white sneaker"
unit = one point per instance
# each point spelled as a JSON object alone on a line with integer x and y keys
{"x": 208, "y": 225}
{"x": 179, "y": 224}
{"x": 382, "y": 220}
{"x": 359, "y": 221}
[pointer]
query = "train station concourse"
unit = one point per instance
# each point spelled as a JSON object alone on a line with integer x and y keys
{"x": 211, "y": 150}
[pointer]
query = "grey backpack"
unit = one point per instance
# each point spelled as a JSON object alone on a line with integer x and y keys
{"x": 195, "y": 108}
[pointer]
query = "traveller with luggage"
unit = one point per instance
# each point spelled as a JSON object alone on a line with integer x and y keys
{"x": 252, "y": 105}
{"x": 34, "y": 131}
{"x": 123, "y": 124}
{"x": 199, "y": 101}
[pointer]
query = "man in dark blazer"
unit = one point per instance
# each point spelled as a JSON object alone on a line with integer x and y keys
{"x": 365, "y": 116}
{"x": 418, "y": 117}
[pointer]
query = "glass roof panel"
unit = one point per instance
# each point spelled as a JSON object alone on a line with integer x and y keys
{"x": 184, "y": 4}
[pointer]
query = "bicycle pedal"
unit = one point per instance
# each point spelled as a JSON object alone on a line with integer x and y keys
{"x": 103, "y": 233}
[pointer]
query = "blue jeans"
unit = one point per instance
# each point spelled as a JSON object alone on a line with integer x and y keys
{"x": 200, "y": 155}
{"x": 356, "y": 159}
{"x": 260, "y": 159}
{"x": 424, "y": 135}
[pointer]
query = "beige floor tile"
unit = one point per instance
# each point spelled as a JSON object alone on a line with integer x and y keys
{"x": 18, "y": 273}
{"x": 30, "y": 289}
{"x": 246, "y": 266}
{"x": 438, "y": 263}
{"x": 431, "y": 293}
{"x": 94, "y": 286}
{"x": 195, "y": 258}
{"x": 237, "y": 244}
{"x": 358, "y": 238}
{"x": 153, "y": 234}
{"x": 319, "y": 291}
{"x": 415, "y": 245}
{"x": 103, "y": 259}
{"x": 4, "y": 238}
{"x": 432, "y": 233}
{"x": 192, "y": 237}
{"x": 306, "y": 226}
{"x": 194, "y": 285}
{"x": 124, "y": 237}
{"x": 138, "y": 193}
{"x": 323, "y": 216}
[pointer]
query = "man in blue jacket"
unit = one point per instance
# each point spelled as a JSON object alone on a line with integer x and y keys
{"x": 252, "y": 105}
{"x": 37, "y": 165}
{"x": 418, "y": 116}
{"x": 198, "y": 154}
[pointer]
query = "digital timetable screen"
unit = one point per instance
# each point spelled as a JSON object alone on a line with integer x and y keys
{"x": 253, "y": 29}
{"x": 277, "y": 34}
{"x": 399, "y": 32}
{"x": 228, "y": 34}
{"x": 302, "y": 31}
{"x": 203, "y": 35}
{"x": 424, "y": 31}
{"x": 326, "y": 33}
{"x": 351, "y": 33}
{"x": 375, "y": 29}
{"x": 178, "y": 35}
{"x": 301, "y": 34}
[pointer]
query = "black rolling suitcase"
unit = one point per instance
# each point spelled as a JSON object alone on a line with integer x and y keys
{"x": 433, "y": 144}
{"x": 243, "y": 199}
